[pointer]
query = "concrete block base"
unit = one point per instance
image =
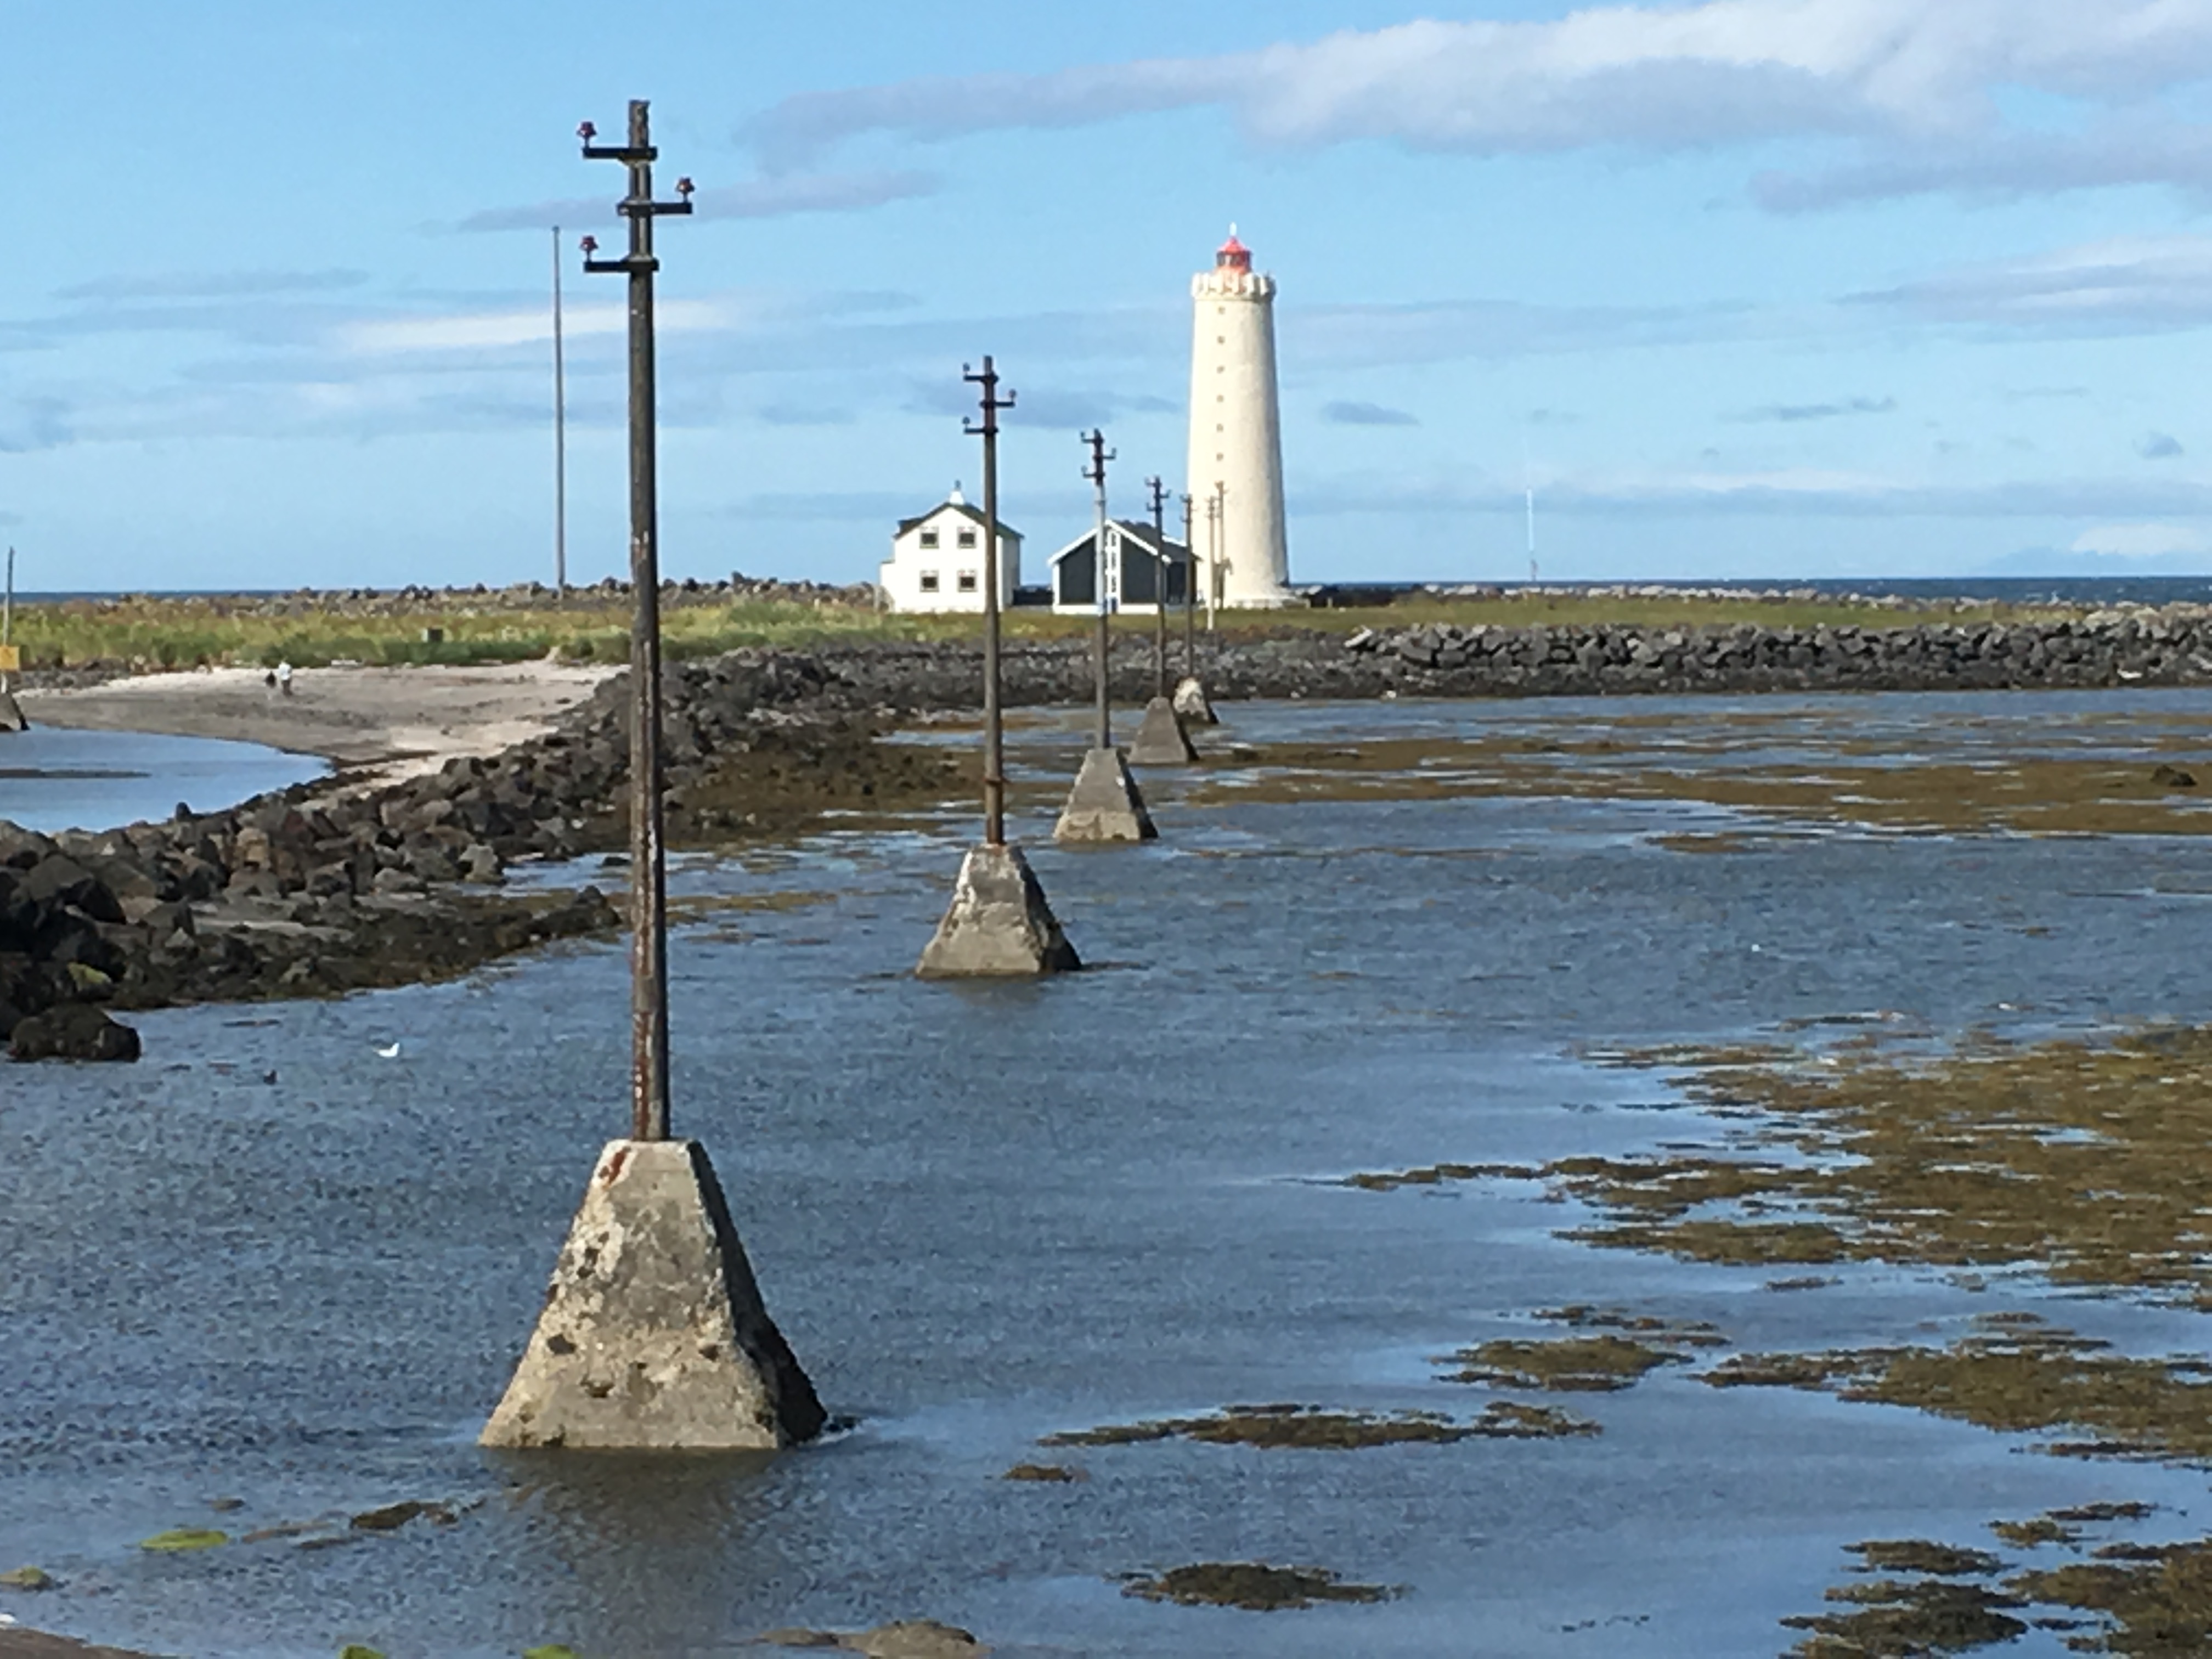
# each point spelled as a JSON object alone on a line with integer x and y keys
{"x": 1191, "y": 703}
{"x": 1161, "y": 740}
{"x": 654, "y": 1336}
{"x": 11, "y": 715}
{"x": 998, "y": 925}
{"x": 1104, "y": 805}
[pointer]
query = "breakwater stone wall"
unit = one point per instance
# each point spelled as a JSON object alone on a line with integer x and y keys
{"x": 2100, "y": 649}
{"x": 341, "y": 884}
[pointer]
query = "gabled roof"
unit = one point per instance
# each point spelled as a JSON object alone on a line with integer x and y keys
{"x": 965, "y": 511}
{"x": 1133, "y": 530}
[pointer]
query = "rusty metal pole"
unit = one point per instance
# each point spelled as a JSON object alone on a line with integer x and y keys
{"x": 1103, "y": 731}
{"x": 1158, "y": 493}
{"x": 994, "y": 746}
{"x": 648, "y": 853}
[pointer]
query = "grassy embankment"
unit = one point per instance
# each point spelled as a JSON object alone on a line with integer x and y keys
{"x": 151, "y": 633}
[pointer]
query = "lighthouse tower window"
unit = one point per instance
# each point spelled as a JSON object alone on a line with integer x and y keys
{"x": 967, "y": 539}
{"x": 967, "y": 581}
{"x": 929, "y": 581}
{"x": 929, "y": 539}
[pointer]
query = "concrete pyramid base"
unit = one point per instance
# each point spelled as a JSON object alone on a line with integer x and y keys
{"x": 998, "y": 925}
{"x": 11, "y": 715}
{"x": 1161, "y": 740}
{"x": 654, "y": 1336}
{"x": 1104, "y": 805}
{"x": 1190, "y": 703}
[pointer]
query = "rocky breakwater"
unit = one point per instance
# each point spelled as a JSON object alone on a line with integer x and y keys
{"x": 2170, "y": 646}
{"x": 338, "y": 886}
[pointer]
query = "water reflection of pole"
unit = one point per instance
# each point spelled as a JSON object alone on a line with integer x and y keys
{"x": 560, "y": 435}
{"x": 1159, "y": 495}
{"x": 994, "y": 752}
{"x": 1189, "y": 593}
{"x": 1102, "y": 729}
{"x": 648, "y": 855}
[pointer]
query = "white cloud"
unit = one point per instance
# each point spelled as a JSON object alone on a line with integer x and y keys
{"x": 1915, "y": 82}
{"x": 1788, "y": 492}
{"x": 2130, "y": 285}
{"x": 486, "y": 330}
{"x": 2143, "y": 541}
{"x": 772, "y": 198}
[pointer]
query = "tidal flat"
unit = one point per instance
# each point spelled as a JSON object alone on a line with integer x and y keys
{"x": 1401, "y": 1104}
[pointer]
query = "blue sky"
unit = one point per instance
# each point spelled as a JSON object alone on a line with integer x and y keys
{"x": 1759, "y": 287}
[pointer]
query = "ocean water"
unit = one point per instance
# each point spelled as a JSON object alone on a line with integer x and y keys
{"x": 51, "y": 779}
{"x": 272, "y": 1269}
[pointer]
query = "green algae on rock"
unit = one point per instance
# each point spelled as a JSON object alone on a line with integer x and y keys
{"x": 182, "y": 1539}
{"x": 2016, "y": 1378}
{"x": 2153, "y": 1601}
{"x": 1436, "y": 1175}
{"x": 1312, "y": 1429}
{"x": 1049, "y": 1473}
{"x": 1898, "y": 1617}
{"x": 1917, "y": 1555}
{"x": 2087, "y": 1160}
{"x": 1569, "y": 1365}
{"x": 1627, "y": 1346}
{"x": 1251, "y": 1585}
{"x": 2158, "y": 1608}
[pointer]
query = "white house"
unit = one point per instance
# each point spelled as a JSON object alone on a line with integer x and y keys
{"x": 1139, "y": 563}
{"x": 937, "y": 560}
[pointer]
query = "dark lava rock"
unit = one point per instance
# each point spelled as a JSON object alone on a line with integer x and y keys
{"x": 76, "y": 1030}
{"x": 2173, "y": 777}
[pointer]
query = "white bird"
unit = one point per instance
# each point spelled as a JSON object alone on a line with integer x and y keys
{"x": 393, "y": 1053}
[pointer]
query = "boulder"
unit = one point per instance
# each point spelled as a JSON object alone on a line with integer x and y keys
{"x": 76, "y": 1030}
{"x": 58, "y": 880}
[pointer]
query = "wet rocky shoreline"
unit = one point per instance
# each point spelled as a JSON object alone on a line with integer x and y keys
{"x": 342, "y": 884}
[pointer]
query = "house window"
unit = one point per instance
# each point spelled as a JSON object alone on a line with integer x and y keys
{"x": 967, "y": 581}
{"x": 967, "y": 539}
{"x": 929, "y": 581}
{"x": 929, "y": 539}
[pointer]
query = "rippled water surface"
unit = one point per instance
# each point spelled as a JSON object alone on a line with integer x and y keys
{"x": 51, "y": 779}
{"x": 269, "y": 1264}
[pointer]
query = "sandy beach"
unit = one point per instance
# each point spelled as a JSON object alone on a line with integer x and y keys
{"x": 396, "y": 720}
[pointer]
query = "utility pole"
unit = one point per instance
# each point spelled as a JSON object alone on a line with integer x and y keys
{"x": 1189, "y": 591}
{"x": 560, "y": 437}
{"x": 8, "y": 626}
{"x": 1103, "y": 731}
{"x": 1158, "y": 492}
{"x": 648, "y": 855}
{"x": 1217, "y": 509}
{"x": 994, "y": 748}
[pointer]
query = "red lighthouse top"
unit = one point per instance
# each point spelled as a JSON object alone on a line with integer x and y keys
{"x": 1232, "y": 255}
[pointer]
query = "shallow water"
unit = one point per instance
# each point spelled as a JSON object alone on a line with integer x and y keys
{"x": 51, "y": 779}
{"x": 984, "y": 1214}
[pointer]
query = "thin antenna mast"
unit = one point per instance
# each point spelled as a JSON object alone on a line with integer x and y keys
{"x": 560, "y": 435}
{"x": 1528, "y": 485}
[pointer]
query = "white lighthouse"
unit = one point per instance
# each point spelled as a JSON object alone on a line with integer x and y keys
{"x": 1236, "y": 435}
